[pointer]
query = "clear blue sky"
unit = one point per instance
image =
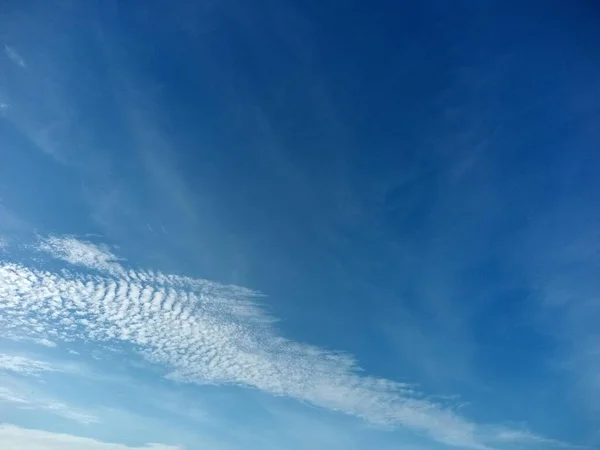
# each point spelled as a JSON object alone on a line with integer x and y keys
{"x": 299, "y": 225}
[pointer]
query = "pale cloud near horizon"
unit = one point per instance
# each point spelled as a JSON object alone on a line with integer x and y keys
{"x": 208, "y": 333}
{"x": 16, "y": 438}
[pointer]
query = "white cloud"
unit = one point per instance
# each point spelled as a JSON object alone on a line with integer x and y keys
{"x": 82, "y": 253}
{"x": 23, "y": 365}
{"x": 46, "y": 343}
{"x": 17, "y": 438}
{"x": 205, "y": 332}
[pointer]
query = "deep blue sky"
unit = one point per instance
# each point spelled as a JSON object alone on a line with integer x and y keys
{"x": 410, "y": 184}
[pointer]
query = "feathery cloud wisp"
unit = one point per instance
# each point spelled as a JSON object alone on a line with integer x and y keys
{"x": 17, "y": 438}
{"x": 83, "y": 254}
{"x": 23, "y": 365}
{"x": 14, "y": 56}
{"x": 205, "y": 332}
{"x": 24, "y": 400}
{"x": 525, "y": 437}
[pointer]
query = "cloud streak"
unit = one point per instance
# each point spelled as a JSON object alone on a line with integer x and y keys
{"x": 205, "y": 332}
{"x": 23, "y": 400}
{"x": 14, "y": 56}
{"x": 23, "y": 365}
{"x": 526, "y": 437}
{"x": 17, "y": 438}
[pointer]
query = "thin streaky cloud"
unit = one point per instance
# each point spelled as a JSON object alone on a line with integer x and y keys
{"x": 17, "y": 438}
{"x": 23, "y": 400}
{"x": 208, "y": 333}
{"x": 14, "y": 56}
{"x": 526, "y": 437}
{"x": 8, "y": 396}
{"x": 24, "y": 365}
{"x": 39, "y": 341}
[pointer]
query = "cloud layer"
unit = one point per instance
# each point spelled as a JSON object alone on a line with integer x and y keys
{"x": 204, "y": 332}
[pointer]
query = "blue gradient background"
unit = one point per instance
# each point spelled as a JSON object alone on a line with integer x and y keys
{"x": 413, "y": 183}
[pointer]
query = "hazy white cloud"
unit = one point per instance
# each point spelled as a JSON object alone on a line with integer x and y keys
{"x": 82, "y": 253}
{"x": 46, "y": 343}
{"x": 14, "y": 56}
{"x": 36, "y": 340}
{"x": 23, "y": 399}
{"x": 523, "y": 437}
{"x": 23, "y": 365}
{"x": 17, "y": 438}
{"x": 205, "y": 332}
{"x": 8, "y": 396}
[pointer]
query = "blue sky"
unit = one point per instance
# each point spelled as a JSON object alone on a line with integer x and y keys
{"x": 299, "y": 224}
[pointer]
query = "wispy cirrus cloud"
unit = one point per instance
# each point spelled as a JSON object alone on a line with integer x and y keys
{"x": 14, "y": 56}
{"x": 40, "y": 341}
{"x": 527, "y": 437}
{"x": 23, "y": 399}
{"x": 24, "y": 365}
{"x": 206, "y": 332}
{"x": 83, "y": 254}
{"x": 17, "y": 438}
{"x": 563, "y": 245}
